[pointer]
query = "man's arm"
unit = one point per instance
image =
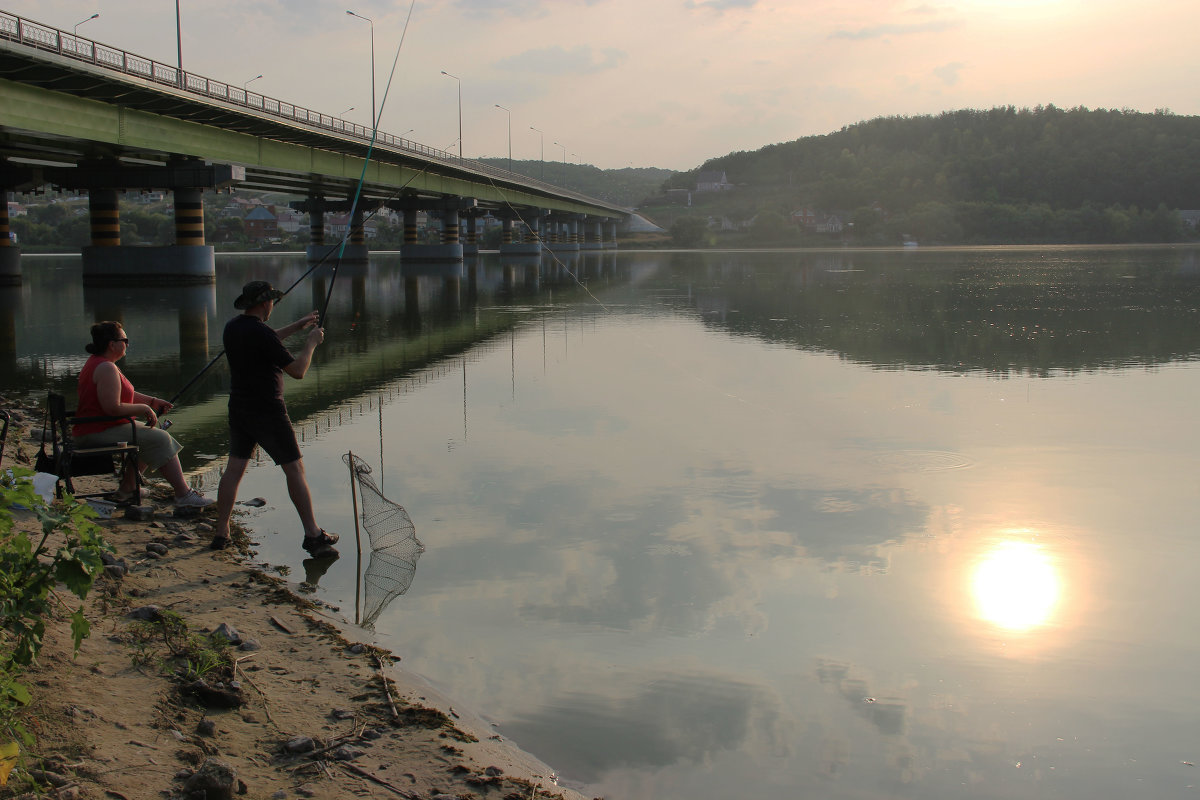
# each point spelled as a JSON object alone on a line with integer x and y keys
{"x": 307, "y": 321}
{"x": 300, "y": 365}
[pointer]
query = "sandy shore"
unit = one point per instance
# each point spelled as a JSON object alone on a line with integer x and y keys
{"x": 305, "y": 711}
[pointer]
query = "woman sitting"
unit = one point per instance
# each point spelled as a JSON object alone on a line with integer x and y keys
{"x": 104, "y": 391}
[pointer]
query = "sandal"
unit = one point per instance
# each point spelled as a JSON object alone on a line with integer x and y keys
{"x": 219, "y": 543}
{"x": 323, "y": 540}
{"x": 121, "y": 498}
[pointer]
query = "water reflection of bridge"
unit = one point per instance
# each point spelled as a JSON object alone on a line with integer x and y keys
{"x": 387, "y": 323}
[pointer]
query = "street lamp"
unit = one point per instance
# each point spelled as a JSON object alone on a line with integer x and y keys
{"x": 562, "y": 172}
{"x": 460, "y": 146}
{"x": 541, "y": 150}
{"x": 347, "y": 111}
{"x": 89, "y": 19}
{"x": 374, "y": 121}
{"x": 179, "y": 42}
{"x": 247, "y": 83}
{"x": 506, "y": 111}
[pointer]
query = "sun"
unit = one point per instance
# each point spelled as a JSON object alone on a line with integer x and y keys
{"x": 1016, "y": 586}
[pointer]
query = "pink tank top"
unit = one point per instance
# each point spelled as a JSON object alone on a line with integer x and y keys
{"x": 89, "y": 402}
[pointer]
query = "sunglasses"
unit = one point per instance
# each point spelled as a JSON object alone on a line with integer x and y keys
{"x": 125, "y": 340}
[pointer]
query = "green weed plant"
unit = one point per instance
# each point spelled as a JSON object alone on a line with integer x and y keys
{"x": 65, "y": 552}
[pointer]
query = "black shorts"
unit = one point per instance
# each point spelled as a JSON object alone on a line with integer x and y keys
{"x": 272, "y": 431}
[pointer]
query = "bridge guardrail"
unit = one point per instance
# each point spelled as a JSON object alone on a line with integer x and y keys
{"x": 67, "y": 44}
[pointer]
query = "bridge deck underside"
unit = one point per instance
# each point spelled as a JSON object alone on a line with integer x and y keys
{"x": 54, "y": 109}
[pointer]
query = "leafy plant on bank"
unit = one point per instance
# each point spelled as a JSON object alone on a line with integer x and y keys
{"x": 32, "y": 565}
{"x": 159, "y": 642}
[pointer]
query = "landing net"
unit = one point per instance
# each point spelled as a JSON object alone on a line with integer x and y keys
{"x": 395, "y": 548}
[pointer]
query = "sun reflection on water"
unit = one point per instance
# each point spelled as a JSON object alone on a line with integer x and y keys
{"x": 1016, "y": 586}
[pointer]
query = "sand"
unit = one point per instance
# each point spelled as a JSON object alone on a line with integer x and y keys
{"x": 118, "y": 721}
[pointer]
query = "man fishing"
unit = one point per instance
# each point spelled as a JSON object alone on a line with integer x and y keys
{"x": 257, "y": 414}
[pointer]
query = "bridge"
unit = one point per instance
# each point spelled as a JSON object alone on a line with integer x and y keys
{"x": 78, "y": 115}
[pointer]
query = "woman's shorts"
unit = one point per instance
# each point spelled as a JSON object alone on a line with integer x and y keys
{"x": 155, "y": 446}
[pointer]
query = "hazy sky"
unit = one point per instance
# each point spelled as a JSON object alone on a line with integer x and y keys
{"x": 664, "y": 83}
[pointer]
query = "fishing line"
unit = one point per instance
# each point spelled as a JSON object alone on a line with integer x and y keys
{"x": 678, "y": 368}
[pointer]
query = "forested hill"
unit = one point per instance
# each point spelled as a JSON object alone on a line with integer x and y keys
{"x": 625, "y": 186}
{"x": 961, "y": 167}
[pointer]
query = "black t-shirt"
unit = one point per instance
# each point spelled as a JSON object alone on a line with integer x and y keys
{"x": 256, "y": 362}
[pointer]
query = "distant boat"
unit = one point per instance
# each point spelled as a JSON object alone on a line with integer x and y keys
{"x": 910, "y": 243}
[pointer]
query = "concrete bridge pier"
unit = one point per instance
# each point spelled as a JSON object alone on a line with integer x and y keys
{"x": 318, "y": 250}
{"x": 471, "y": 234}
{"x": 566, "y": 238}
{"x": 10, "y": 254}
{"x": 609, "y": 237}
{"x": 530, "y": 245}
{"x": 450, "y": 251}
{"x": 107, "y": 261}
{"x": 593, "y": 235}
{"x": 356, "y": 251}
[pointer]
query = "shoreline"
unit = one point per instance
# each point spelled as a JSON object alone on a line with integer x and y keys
{"x": 117, "y": 721}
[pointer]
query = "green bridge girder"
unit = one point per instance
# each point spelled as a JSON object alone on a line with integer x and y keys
{"x": 92, "y": 114}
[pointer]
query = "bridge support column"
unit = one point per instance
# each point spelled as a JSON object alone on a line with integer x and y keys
{"x": 530, "y": 244}
{"x": 567, "y": 239}
{"x": 317, "y": 249}
{"x": 450, "y": 251}
{"x": 189, "y": 217}
{"x": 10, "y": 254}
{"x": 356, "y": 251}
{"x": 107, "y": 262}
{"x": 316, "y": 227}
{"x": 593, "y": 236}
{"x": 410, "y": 226}
{"x": 105, "y": 217}
{"x": 609, "y": 237}
{"x": 471, "y": 236}
{"x": 450, "y": 227}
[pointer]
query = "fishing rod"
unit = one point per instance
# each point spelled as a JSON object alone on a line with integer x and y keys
{"x": 167, "y": 423}
{"x": 376, "y": 113}
{"x": 362, "y": 178}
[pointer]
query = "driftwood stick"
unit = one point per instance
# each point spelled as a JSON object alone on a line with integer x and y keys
{"x": 387, "y": 689}
{"x": 266, "y": 705}
{"x": 364, "y": 774}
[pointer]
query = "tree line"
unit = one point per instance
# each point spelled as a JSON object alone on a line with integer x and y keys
{"x": 1002, "y": 175}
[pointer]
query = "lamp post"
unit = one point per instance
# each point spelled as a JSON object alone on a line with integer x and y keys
{"x": 247, "y": 83}
{"x": 89, "y": 19}
{"x": 506, "y": 111}
{"x": 460, "y": 143}
{"x": 374, "y": 121}
{"x": 541, "y": 150}
{"x": 562, "y": 172}
{"x": 179, "y": 42}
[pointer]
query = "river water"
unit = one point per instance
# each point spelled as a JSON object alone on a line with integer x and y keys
{"x": 743, "y": 524}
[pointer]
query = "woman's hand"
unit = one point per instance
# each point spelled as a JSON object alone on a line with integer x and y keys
{"x": 151, "y": 417}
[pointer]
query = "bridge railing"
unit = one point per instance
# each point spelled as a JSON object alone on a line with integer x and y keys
{"x": 68, "y": 44}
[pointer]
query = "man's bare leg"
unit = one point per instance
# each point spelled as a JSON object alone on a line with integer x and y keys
{"x": 227, "y": 494}
{"x": 298, "y": 491}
